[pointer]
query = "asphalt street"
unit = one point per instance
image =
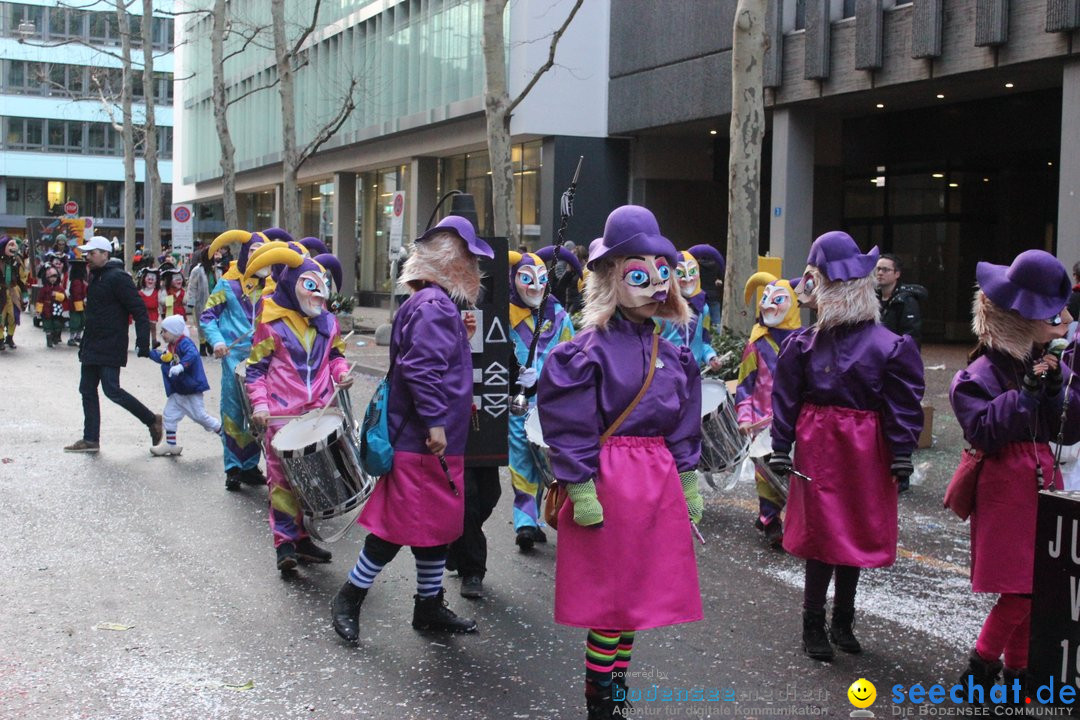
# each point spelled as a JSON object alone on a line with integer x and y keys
{"x": 137, "y": 587}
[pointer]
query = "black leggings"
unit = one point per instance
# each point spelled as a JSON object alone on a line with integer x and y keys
{"x": 383, "y": 551}
{"x": 816, "y": 587}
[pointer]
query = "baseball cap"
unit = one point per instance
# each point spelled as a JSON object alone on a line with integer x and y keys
{"x": 97, "y": 243}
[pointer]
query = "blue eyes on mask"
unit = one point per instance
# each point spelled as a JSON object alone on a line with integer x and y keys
{"x": 664, "y": 271}
{"x": 640, "y": 278}
{"x": 310, "y": 285}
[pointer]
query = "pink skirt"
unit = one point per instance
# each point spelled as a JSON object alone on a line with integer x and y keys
{"x": 638, "y": 571}
{"x": 846, "y": 513}
{"x": 414, "y": 505}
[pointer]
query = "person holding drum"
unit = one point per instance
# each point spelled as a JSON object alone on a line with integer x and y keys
{"x": 421, "y": 501}
{"x": 620, "y": 409}
{"x": 532, "y": 305}
{"x": 778, "y": 317}
{"x": 297, "y": 359}
{"x": 227, "y": 324}
{"x": 696, "y": 334}
{"x": 846, "y": 394}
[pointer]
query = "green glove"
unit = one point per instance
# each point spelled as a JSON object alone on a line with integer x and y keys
{"x": 587, "y": 509}
{"x": 694, "y": 502}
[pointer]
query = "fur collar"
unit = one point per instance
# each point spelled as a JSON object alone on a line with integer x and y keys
{"x": 1000, "y": 329}
{"x": 443, "y": 260}
{"x": 846, "y": 303}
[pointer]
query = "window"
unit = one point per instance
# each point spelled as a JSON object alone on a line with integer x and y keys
{"x": 23, "y": 133}
{"x": 101, "y": 28}
{"x": 16, "y": 14}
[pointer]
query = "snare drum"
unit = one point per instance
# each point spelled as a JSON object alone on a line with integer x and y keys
{"x": 537, "y": 447}
{"x": 723, "y": 447}
{"x": 321, "y": 458}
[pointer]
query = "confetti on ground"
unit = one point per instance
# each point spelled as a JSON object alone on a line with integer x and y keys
{"x": 249, "y": 685}
{"x": 112, "y": 626}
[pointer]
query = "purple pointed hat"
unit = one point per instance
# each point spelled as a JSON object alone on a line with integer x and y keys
{"x": 1036, "y": 285}
{"x": 837, "y": 255}
{"x": 631, "y": 230}
{"x": 463, "y": 228}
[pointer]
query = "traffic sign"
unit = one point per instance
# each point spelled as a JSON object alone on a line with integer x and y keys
{"x": 71, "y": 207}
{"x": 397, "y": 221}
{"x": 183, "y": 233}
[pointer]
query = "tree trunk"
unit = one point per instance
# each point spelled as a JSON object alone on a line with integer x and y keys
{"x": 228, "y": 150}
{"x": 152, "y": 177}
{"x": 496, "y": 104}
{"x": 744, "y": 160}
{"x": 127, "y": 132}
{"x": 290, "y": 157}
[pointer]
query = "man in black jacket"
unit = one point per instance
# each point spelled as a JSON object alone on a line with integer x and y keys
{"x": 110, "y": 299}
{"x": 900, "y": 310}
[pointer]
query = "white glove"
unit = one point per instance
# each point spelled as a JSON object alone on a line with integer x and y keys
{"x": 527, "y": 378}
{"x": 176, "y": 370}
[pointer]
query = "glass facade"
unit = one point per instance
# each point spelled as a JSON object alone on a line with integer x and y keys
{"x": 51, "y": 24}
{"x": 102, "y": 200}
{"x": 411, "y": 58}
{"x": 374, "y": 209}
{"x": 73, "y": 136}
{"x": 471, "y": 173}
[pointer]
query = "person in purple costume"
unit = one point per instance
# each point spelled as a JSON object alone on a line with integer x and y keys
{"x": 1008, "y": 402}
{"x": 420, "y": 502}
{"x": 847, "y": 395}
{"x": 625, "y": 557}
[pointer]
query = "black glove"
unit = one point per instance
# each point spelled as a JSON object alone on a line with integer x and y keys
{"x": 1032, "y": 383}
{"x": 1053, "y": 381}
{"x": 780, "y": 463}
{"x": 902, "y": 467}
{"x": 143, "y": 352}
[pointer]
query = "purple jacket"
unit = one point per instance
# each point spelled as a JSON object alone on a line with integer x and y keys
{"x": 587, "y": 382}
{"x": 864, "y": 367}
{"x": 431, "y": 383}
{"x": 993, "y": 412}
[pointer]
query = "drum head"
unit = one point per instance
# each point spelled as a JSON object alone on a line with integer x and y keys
{"x": 307, "y": 430}
{"x": 713, "y": 394}
{"x": 533, "y": 431}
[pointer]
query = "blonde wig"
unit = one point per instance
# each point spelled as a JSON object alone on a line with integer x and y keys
{"x": 844, "y": 302}
{"x": 443, "y": 260}
{"x": 600, "y": 297}
{"x": 1002, "y": 330}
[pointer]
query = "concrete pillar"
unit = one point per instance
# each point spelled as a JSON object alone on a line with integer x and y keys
{"x": 1068, "y": 224}
{"x": 423, "y": 193}
{"x": 345, "y": 234}
{"x": 791, "y": 216}
{"x": 279, "y": 204}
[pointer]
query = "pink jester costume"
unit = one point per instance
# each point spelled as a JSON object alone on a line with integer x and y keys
{"x": 625, "y": 557}
{"x": 847, "y": 394}
{"x": 778, "y": 317}
{"x": 1009, "y": 403}
{"x": 421, "y": 501}
{"x": 296, "y": 357}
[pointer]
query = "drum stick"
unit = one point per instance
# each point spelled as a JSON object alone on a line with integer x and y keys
{"x": 337, "y": 389}
{"x": 233, "y": 344}
{"x": 700, "y": 537}
{"x": 796, "y": 473}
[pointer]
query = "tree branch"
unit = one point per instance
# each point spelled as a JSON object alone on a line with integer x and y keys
{"x": 550, "y": 61}
{"x": 308, "y": 30}
{"x": 252, "y": 91}
{"x": 332, "y": 127}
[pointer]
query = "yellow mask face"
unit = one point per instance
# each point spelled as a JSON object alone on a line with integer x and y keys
{"x": 688, "y": 274}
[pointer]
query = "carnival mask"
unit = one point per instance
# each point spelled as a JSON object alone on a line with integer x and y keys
{"x": 312, "y": 292}
{"x": 149, "y": 281}
{"x": 177, "y": 281}
{"x": 806, "y": 290}
{"x": 255, "y": 245}
{"x": 642, "y": 279}
{"x": 688, "y": 274}
{"x": 530, "y": 282}
{"x": 775, "y": 303}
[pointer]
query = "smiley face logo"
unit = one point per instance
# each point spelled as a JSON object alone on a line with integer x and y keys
{"x": 862, "y": 693}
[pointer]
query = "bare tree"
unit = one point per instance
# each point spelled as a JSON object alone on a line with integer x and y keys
{"x": 744, "y": 159}
{"x": 152, "y": 177}
{"x": 221, "y": 106}
{"x": 127, "y": 130}
{"x": 498, "y": 109}
{"x": 286, "y": 56}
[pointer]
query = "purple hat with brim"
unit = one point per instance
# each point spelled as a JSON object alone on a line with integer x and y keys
{"x": 631, "y": 230}
{"x": 1036, "y": 285}
{"x": 464, "y": 229}
{"x": 837, "y": 255}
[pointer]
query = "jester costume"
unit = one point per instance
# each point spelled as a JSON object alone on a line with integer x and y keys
{"x": 229, "y": 321}
{"x": 528, "y": 290}
{"x": 778, "y": 315}
{"x": 13, "y": 283}
{"x": 296, "y": 356}
{"x": 697, "y": 334}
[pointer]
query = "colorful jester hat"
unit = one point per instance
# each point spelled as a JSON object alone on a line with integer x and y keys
{"x": 303, "y": 287}
{"x": 248, "y": 243}
{"x": 778, "y": 309}
{"x": 688, "y": 270}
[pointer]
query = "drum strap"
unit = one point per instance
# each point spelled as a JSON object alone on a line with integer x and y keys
{"x": 641, "y": 393}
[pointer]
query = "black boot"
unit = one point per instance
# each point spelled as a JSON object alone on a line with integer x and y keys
{"x": 618, "y": 694}
{"x": 345, "y": 611}
{"x": 815, "y": 641}
{"x": 286, "y": 557}
{"x": 432, "y": 613}
{"x": 232, "y": 480}
{"x": 48, "y": 339}
{"x": 307, "y": 551}
{"x": 10, "y": 342}
{"x": 525, "y": 539}
{"x": 840, "y": 630}
{"x": 982, "y": 673}
{"x": 598, "y": 702}
{"x": 1027, "y": 686}
{"x": 252, "y": 476}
